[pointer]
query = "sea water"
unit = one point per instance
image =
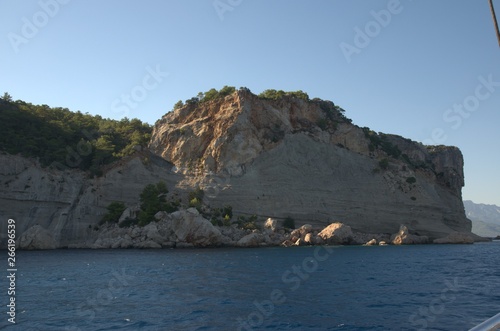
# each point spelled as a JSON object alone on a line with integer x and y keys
{"x": 427, "y": 287}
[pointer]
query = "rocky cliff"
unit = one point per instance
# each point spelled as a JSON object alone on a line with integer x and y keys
{"x": 289, "y": 157}
{"x": 67, "y": 203}
{"x": 304, "y": 159}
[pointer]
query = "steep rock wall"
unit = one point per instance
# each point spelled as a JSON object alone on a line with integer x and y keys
{"x": 273, "y": 158}
{"x": 304, "y": 159}
{"x": 67, "y": 203}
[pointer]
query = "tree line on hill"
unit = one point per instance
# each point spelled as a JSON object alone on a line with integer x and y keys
{"x": 62, "y": 138}
{"x": 333, "y": 112}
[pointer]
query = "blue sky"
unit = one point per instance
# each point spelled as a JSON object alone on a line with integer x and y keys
{"x": 427, "y": 70}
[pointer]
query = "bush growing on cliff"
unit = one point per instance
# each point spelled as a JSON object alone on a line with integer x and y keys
{"x": 153, "y": 200}
{"x": 227, "y": 210}
{"x": 195, "y": 203}
{"x": 211, "y": 94}
{"x": 115, "y": 210}
{"x": 6, "y": 97}
{"x": 272, "y": 94}
{"x": 384, "y": 164}
{"x": 221, "y": 216}
{"x": 299, "y": 94}
{"x": 226, "y": 221}
{"x": 333, "y": 112}
{"x": 226, "y": 90}
{"x": 196, "y": 198}
{"x": 322, "y": 123}
{"x": 178, "y": 104}
{"x": 248, "y": 223}
{"x": 380, "y": 140}
{"x": 216, "y": 222}
{"x": 192, "y": 101}
{"x": 198, "y": 194}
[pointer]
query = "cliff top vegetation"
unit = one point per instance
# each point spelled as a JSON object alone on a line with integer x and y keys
{"x": 66, "y": 139}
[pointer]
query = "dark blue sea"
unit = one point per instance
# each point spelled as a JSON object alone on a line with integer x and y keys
{"x": 430, "y": 287}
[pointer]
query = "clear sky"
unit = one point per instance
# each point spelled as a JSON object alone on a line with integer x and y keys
{"x": 427, "y": 70}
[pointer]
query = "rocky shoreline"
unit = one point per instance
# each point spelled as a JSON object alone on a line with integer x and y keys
{"x": 188, "y": 229}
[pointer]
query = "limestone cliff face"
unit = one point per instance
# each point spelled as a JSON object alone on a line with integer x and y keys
{"x": 272, "y": 158}
{"x": 67, "y": 203}
{"x": 228, "y": 134}
{"x": 304, "y": 159}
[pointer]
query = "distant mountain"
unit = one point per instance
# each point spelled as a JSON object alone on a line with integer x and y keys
{"x": 485, "y": 218}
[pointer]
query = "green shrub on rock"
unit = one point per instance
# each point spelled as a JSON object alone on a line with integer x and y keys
{"x": 152, "y": 201}
{"x": 115, "y": 210}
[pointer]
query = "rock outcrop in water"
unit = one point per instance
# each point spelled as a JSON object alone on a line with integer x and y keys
{"x": 336, "y": 234}
{"x": 403, "y": 237}
{"x": 185, "y": 228}
{"x": 270, "y": 158}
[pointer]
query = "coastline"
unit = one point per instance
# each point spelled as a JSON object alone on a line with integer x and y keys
{"x": 188, "y": 229}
